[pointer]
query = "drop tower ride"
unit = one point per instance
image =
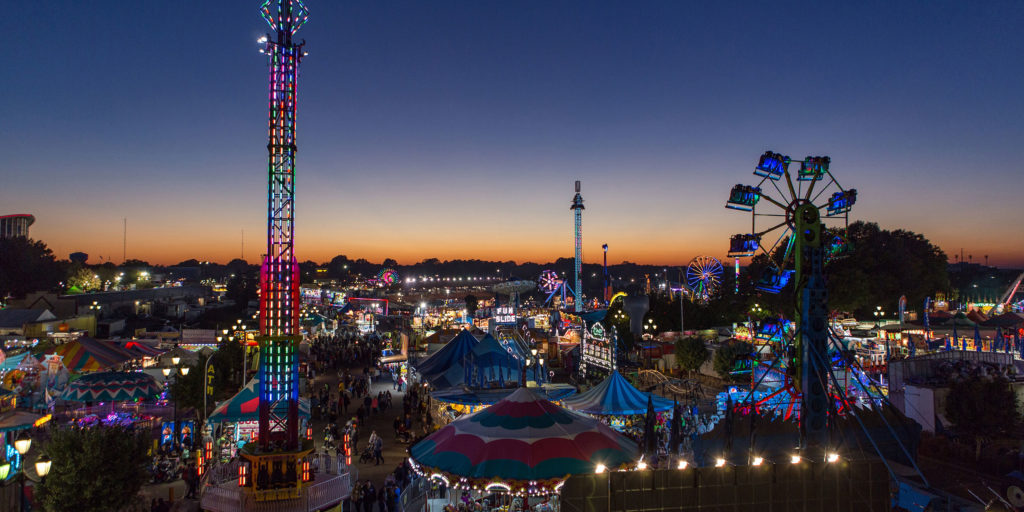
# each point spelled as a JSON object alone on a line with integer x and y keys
{"x": 577, "y": 208}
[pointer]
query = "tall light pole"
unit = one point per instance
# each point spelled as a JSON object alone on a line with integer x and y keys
{"x": 183, "y": 370}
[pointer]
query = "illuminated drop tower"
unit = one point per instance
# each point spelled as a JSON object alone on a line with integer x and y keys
{"x": 279, "y": 276}
{"x": 577, "y": 270}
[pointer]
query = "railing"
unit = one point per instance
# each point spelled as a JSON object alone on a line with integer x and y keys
{"x": 326, "y": 490}
{"x": 221, "y": 473}
{"x": 414, "y": 497}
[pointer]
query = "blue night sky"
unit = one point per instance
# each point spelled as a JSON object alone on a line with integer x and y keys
{"x": 456, "y": 129}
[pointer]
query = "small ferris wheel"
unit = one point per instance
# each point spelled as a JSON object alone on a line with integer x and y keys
{"x": 703, "y": 275}
{"x": 549, "y": 281}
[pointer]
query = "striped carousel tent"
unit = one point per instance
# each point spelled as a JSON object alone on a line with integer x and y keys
{"x": 111, "y": 387}
{"x": 89, "y": 355}
{"x": 519, "y": 440}
{"x": 244, "y": 406}
{"x": 615, "y": 396}
{"x": 141, "y": 350}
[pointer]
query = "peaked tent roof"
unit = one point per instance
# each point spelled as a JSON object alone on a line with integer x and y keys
{"x": 1008, "y": 319}
{"x": 89, "y": 355}
{"x": 615, "y": 396}
{"x": 523, "y": 439}
{"x": 451, "y": 354}
{"x": 245, "y": 405}
{"x": 112, "y": 387}
{"x": 14, "y": 317}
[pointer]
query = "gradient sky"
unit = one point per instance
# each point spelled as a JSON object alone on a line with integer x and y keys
{"x": 456, "y": 129}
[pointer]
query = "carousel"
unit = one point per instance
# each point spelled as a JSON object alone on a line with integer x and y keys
{"x": 102, "y": 388}
{"x": 517, "y": 453}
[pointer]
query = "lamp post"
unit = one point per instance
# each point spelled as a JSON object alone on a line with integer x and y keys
{"x": 538, "y": 366}
{"x": 183, "y": 370}
{"x": 21, "y": 445}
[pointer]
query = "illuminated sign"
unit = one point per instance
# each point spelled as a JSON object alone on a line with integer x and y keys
{"x": 596, "y": 349}
{"x": 505, "y": 315}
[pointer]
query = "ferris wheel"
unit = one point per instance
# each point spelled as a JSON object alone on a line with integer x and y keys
{"x": 773, "y": 221}
{"x": 387, "y": 276}
{"x": 703, "y": 275}
{"x": 548, "y": 281}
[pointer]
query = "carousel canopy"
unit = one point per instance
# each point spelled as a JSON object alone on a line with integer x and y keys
{"x": 520, "y": 439}
{"x": 615, "y": 396}
{"x": 12, "y": 362}
{"x": 245, "y": 405}
{"x": 449, "y": 355}
{"x": 89, "y": 355}
{"x": 111, "y": 387}
{"x": 141, "y": 349}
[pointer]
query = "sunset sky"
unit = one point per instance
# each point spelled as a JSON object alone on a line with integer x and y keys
{"x": 456, "y": 129}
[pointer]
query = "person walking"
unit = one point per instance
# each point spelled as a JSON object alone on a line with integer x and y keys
{"x": 370, "y": 497}
{"x": 357, "y": 497}
{"x": 378, "y": 451}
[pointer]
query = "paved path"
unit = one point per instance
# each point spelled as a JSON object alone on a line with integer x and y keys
{"x": 394, "y": 452}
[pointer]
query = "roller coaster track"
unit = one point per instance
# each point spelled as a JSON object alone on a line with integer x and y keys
{"x": 653, "y": 378}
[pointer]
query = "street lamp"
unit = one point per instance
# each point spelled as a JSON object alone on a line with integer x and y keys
{"x": 43, "y": 465}
{"x": 21, "y": 445}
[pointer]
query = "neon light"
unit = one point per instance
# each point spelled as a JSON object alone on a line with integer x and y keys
{"x": 736, "y": 283}
{"x": 279, "y": 273}
{"x": 440, "y": 477}
{"x": 498, "y": 486}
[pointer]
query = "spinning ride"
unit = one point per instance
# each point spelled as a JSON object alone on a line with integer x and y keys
{"x": 387, "y": 276}
{"x": 800, "y": 201}
{"x": 703, "y": 275}
{"x": 549, "y": 282}
{"x": 805, "y": 365}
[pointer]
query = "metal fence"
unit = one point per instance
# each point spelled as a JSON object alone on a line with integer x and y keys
{"x": 327, "y": 490}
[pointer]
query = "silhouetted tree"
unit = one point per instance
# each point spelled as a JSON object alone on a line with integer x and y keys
{"x": 27, "y": 265}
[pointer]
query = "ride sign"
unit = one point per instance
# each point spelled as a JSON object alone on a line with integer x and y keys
{"x": 505, "y": 315}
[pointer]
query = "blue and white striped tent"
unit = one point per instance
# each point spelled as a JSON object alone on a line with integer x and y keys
{"x": 450, "y": 355}
{"x": 615, "y": 396}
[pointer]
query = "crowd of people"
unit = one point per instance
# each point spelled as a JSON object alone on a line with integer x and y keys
{"x": 355, "y": 402}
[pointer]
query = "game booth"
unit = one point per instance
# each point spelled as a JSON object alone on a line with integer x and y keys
{"x": 235, "y": 421}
